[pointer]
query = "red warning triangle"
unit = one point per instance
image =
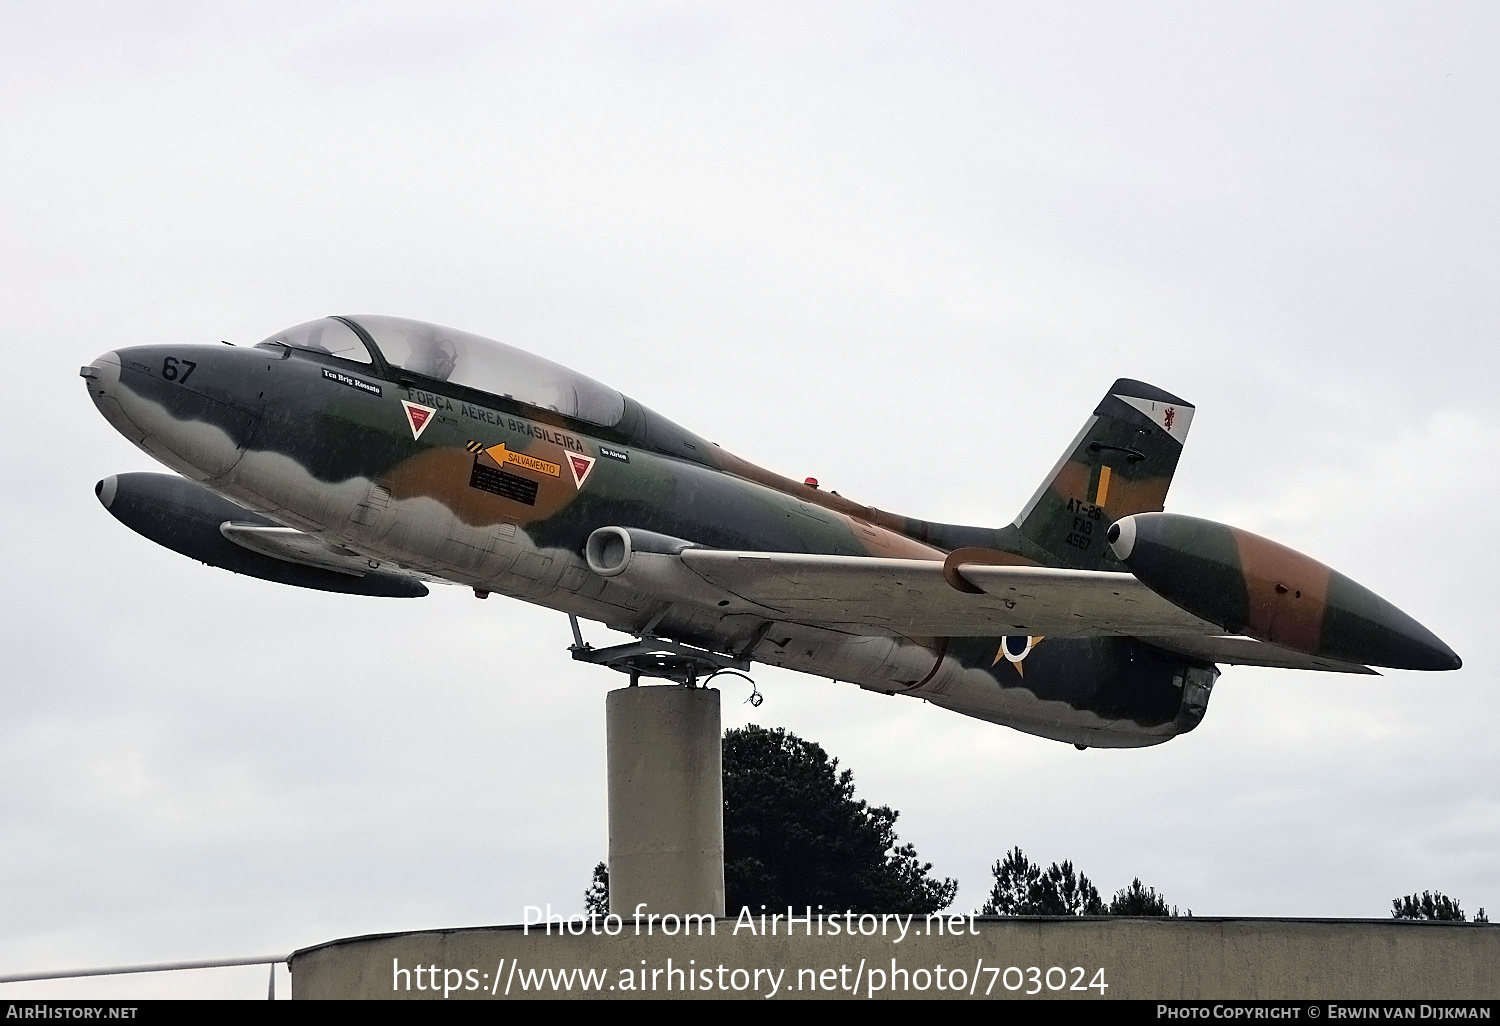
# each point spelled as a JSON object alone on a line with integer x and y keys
{"x": 580, "y": 465}
{"x": 418, "y": 416}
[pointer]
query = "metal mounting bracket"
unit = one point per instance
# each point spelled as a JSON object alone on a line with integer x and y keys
{"x": 650, "y": 656}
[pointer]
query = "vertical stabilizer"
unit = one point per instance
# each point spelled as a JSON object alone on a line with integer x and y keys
{"x": 1121, "y": 463}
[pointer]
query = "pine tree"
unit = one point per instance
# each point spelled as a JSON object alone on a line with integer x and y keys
{"x": 1015, "y": 877}
{"x": 1023, "y": 888}
{"x": 1140, "y": 900}
{"x": 1428, "y": 905}
{"x": 596, "y": 898}
{"x": 794, "y": 834}
{"x": 1065, "y": 894}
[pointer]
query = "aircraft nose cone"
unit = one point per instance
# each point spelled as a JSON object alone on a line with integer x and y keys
{"x": 106, "y": 490}
{"x": 102, "y": 378}
{"x": 192, "y": 407}
{"x": 102, "y": 371}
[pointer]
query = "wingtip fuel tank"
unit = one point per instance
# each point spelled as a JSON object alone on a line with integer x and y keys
{"x": 1252, "y": 585}
{"x": 186, "y": 517}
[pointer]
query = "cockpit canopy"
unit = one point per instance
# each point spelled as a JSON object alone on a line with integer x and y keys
{"x": 327, "y": 336}
{"x": 445, "y": 354}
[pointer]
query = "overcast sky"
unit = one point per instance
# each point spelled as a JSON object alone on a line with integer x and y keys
{"x": 903, "y": 248}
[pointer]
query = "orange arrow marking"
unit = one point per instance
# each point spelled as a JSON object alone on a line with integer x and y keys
{"x": 501, "y": 455}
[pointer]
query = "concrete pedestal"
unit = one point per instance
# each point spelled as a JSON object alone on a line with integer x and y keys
{"x": 666, "y": 800}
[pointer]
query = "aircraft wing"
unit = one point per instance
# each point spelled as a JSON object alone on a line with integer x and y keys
{"x": 910, "y": 597}
{"x": 293, "y": 546}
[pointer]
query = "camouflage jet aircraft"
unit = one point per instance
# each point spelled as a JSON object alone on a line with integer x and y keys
{"x": 369, "y": 454}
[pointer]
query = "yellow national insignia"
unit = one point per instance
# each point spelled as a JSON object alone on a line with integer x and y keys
{"x": 501, "y": 455}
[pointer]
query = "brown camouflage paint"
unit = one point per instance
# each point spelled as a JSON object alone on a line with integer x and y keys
{"x": 889, "y": 522}
{"x": 442, "y": 474}
{"x": 1127, "y": 495}
{"x": 1286, "y": 592}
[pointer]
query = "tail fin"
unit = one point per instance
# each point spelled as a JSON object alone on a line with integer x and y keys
{"x": 1121, "y": 463}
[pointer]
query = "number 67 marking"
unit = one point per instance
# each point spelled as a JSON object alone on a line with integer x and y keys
{"x": 170, "y": 372}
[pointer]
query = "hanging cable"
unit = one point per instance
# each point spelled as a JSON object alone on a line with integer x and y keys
{"x": 755, "y": 696}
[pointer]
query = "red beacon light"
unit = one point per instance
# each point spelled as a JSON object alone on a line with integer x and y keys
{"x": 811, "y": 482}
